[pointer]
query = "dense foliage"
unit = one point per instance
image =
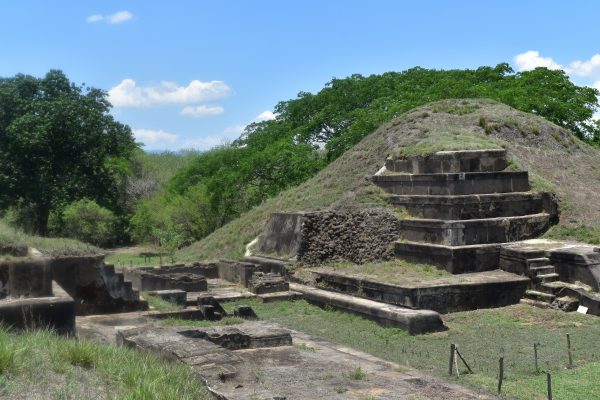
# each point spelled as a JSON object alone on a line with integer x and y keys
{"x": 314, "y": 129}
{"x": 58, "y": 144}
{"x": 87, "y": 221}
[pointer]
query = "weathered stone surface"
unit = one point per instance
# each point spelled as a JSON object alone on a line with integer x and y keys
{"x": 450, "y": 161}
{"x": 281, "y": 235}
{"x": 210, "y": 308}
{"x": 165, "y": 277}
{"x": 355, "y": 235}
{"x": 413, "y": 321}
{"x": 462, "y": 207}
{"x": 261, "y": 283}
{"x": 577, "y": 263}
{"x": 236, "y": 271}
{"x": 454, "y": 259}
{"x": 56, "y": 311}
{"x": 474, "y": 231}
{"x": 14, "y": 250}
{"x": 242, "y": 337}
{"x": 94, "y": 285}
{"x": 26, "y": 277}
{"x": 455, "y": 183}
{"x": 456, "y": 293}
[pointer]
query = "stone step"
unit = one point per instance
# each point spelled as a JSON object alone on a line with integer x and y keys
{"x": 474, "y": 231}
{"x": 452, "y": 207}
{"x": 538, "y": 262}
{"x": 536, "y": 303}
{"x": 413, "y": 321}
{"x": 109, "y": 269}
{"x": 450, "y": 161}
{"x": 540, "y": 296}
{"x": 544, "y": 269}
{"x": 545, "y": 278}
{"x": 454, "y": 259}
{"x": 454, "y": 183}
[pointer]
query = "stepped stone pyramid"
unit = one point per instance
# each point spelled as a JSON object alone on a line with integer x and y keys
{"x": 464, "y": 205}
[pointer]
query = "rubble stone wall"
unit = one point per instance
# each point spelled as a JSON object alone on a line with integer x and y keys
{"x": 358, "y": 235}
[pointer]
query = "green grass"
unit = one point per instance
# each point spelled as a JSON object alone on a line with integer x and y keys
{"x": 581, "y": 233}
{"x": 448, "y": 142}
{"x": 159, "y": 304}
{"x": 395, "y": 271}
{"x": 43, "y": 365}
{"x": 479, "y": 335}
{"x": 50, "y": 246}
{"x": 357, "y": 374}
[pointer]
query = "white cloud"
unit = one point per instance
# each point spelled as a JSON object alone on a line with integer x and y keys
{"x": 590, "y": 67}
{"x": 204, "y": 143}
{"x": 264, "y": 116}
{"x": 596, "y": 85}
{"x": 531, "y": 59}
{"x": 239, "y": 129}
{"x": 155, "y": 139}
{"x": 117, "y": 18}
{"x": 129, "y": 94}
{"x": 94, "y": 18}
{"x": 201, "y": 111}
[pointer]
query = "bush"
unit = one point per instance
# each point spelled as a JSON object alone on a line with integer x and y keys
{"x": 87, "y": 221}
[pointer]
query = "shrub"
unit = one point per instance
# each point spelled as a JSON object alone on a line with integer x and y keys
{"x": 87, "y": 221}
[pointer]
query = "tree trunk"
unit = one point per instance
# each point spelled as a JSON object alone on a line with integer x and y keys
{"x": 41, "y": 219}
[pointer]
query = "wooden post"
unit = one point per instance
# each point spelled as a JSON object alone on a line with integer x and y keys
{"x": 535, "y": 352}
{"x": 501, "y": 370}
{"x": 549, "y": 381}
{"x": 463, "y": 360}
{"x": 569, "y": 351}
{"x": 452, "y": 355}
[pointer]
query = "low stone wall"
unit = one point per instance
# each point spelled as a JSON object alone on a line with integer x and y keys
{"x": 355, "y": 235}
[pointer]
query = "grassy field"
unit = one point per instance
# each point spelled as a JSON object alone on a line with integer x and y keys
{"x": 40, "y": 365}
{"x": 480, "y": 336}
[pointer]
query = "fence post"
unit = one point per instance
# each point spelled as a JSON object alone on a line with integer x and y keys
{"x": 549, "y": 381}
{"x": 452, "y": 355}
{"x": 569, "y": 351}
{"x": 501, "y": 370}
{"x": 535, "y": 352}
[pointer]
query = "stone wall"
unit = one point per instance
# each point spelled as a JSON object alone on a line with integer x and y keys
{"x": 360, "y": 235}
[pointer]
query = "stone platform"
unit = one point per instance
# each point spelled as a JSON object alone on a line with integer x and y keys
{"x": 278, "y": 370}
{"x": 450, "y": 294}
{"x": 413, "y": 321}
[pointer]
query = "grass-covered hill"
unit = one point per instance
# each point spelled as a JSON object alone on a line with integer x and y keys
{"x": 555, "y": 158}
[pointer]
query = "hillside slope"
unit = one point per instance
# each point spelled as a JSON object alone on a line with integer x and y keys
{"x": 555, "y": 158}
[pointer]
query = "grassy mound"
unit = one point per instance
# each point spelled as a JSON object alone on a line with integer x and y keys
{"x": 49, "y": 246}
{"x": 555, "y": 158}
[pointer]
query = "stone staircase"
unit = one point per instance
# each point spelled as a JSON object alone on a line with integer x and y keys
{"x": 463, "y": 206}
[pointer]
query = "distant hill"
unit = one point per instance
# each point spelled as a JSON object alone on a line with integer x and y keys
{"x": 554, "y": 157}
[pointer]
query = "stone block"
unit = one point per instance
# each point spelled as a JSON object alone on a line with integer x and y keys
{"x": 245, "y": 312}
{"x": 450, "y": 161}
{"x": 262, "y": 283}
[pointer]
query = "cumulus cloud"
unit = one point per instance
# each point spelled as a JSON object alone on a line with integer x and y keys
{"x": 264, "y": 116}
{"x": 155, "y": 139}
{"x": 531, "y": 59}
{"x": 239, "y": 129}
{"x": 117, "y": 18}
{"x": 129, "y": 94}
{"x": 586, "y": 68}
{"x": 201, "y": 111}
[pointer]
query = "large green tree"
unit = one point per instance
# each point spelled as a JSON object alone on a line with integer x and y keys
{"x": 58, "y": 144}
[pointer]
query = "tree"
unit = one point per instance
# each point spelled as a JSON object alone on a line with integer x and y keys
{"x": 58, "y": 144}
{"x": 87, "y": 221}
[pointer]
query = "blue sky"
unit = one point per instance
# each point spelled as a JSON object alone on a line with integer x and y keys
{"x": 191, "y": 74}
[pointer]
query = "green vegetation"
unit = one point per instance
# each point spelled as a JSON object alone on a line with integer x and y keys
{"x": 159, "y": 304}
{"x": 479, "y": 335}
{"x": 58, "y": 144}
{"x": 312, "y": 131}
{"x": 580, "y": 233}
{"x": 357, "y": 374}
{"x": 42, "y": 365}
{"x": 85, "y": 220}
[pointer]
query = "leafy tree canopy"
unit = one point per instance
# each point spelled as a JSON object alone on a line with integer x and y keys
{"x": 58, "y": 144}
